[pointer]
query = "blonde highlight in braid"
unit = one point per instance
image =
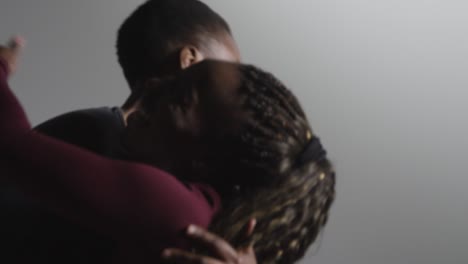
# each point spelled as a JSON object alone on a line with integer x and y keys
{"x": 289, "y": 215}
{"x": 292, "y": 201}
{"x": 259, "y": 169}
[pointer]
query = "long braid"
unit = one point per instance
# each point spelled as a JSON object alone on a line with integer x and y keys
{"x": 291, "y": 200}
{"x": 259, "y": 167}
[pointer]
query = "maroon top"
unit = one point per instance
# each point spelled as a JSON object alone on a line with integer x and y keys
{"x": 137, "y": 205}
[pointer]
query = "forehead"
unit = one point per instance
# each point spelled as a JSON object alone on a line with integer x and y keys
{"x": 210, "y": 80}
{"x": 214, "y": 72}
{"x": 223, "y": 48}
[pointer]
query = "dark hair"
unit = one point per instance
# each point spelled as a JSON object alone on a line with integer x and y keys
{"x": 158, "y": 28}
{"x": 286, "y": 181}
{"x": 261, "y": 155}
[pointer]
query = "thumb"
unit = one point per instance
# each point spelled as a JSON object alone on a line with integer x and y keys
{"x": 16, "y": 44}
{"x": 249, "y": 228}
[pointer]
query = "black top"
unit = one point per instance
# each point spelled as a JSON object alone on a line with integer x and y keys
{"x": 97, "y": 129}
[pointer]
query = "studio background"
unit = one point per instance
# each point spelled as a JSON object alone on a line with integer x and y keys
{"x": 384, "y": 84}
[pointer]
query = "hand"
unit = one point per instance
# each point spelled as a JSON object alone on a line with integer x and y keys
{"x": 10, "y": 53}
{"x": 223, "y": 252}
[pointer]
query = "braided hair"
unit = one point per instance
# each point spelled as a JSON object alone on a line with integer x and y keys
{"x": 263, "y": 159}
{"x": 288, "y": 193}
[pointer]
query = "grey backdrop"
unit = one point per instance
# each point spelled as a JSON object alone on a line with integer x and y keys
{"x": 383, "y": 82}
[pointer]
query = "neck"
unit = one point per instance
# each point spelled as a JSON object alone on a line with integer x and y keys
{"x": 130, "y": 106}
{"x": 126, "y": 112}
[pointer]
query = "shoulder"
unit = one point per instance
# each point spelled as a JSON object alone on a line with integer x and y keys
{"x": 76, "y": 120}
{"x": 87, "y": 128}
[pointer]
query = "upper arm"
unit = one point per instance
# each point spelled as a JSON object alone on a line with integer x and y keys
{"x": 124, "y": 199}
{"x": 120, "y": 198}
{"x": 147, "y": 199}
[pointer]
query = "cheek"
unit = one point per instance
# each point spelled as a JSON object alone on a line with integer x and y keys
{"x": 187, "y": 122}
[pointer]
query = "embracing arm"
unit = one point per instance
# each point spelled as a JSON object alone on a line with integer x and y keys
{"x": 121, "y": 198}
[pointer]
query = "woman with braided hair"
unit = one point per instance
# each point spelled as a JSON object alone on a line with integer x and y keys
{"x": 275, "y": 165}
{"x": 234, "y": 131}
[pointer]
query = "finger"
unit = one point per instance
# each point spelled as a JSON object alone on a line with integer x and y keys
{"x": 16, "y": 44}
{"x": 183, "y": 257}
{"x": 218, "y": 246}
{"x": 250, "y": 227}
{"x": 246, "y": 254}
{"x": 250, "y": 250}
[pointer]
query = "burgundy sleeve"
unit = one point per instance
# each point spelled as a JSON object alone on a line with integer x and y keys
{"x": 122, "y": 198}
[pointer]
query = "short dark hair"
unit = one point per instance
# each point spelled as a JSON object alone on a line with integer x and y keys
{"x": 158, "y": 29}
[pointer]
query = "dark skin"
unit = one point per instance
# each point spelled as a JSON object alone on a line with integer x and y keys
{"x": 186, "y": 107}
{"x": 201, "y": 102}
{"x": 221, "y": 251}
{"x": 222, "y": 48}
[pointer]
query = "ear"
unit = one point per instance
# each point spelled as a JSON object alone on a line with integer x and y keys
{"x": 190, "y": 55}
